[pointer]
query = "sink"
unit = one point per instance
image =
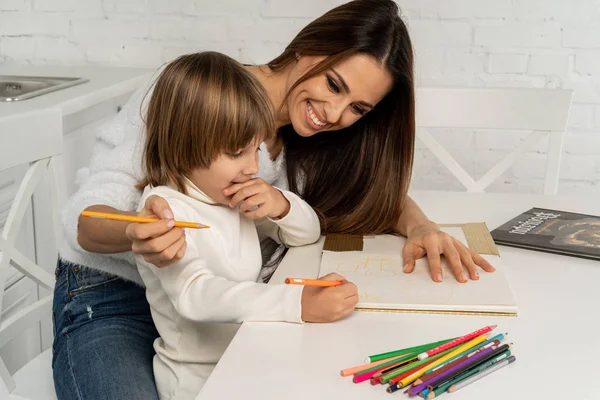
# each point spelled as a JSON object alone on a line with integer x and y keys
{"x": 16, "y": 88}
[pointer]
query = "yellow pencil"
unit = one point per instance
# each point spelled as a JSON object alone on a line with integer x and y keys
{"x": 417, "y": 374}
{"x": 130, "y": 218}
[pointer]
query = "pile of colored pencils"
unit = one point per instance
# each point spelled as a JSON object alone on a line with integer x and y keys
{"x": 432, "y": 369}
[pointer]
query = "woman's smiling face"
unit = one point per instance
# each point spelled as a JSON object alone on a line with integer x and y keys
{"x": 338, "y": 97}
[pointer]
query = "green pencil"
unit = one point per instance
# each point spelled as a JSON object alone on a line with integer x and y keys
{"x": 420, "y": 348}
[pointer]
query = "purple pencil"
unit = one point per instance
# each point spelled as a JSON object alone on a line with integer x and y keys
{"x": 415, "y": 390}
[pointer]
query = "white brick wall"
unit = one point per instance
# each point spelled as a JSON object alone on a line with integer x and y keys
{"x": 520, "y": 43}
{"x": 507, "y": 63}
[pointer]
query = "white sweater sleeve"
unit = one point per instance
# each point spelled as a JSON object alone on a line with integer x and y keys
{"x": 198, "y": 295}
{"x": 115, "y": 168}
{"x": 298, "y": 228}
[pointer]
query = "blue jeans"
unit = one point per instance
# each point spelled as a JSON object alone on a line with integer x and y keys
{"x": 103, "y": 336}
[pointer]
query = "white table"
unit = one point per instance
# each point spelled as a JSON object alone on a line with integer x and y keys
{"x": 558, "y": 297}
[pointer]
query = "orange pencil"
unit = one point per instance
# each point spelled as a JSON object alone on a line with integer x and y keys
{"x": 312, "y": 282}
{"x": 130, "y": 218}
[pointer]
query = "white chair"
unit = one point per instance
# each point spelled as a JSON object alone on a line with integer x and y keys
{"x": 36, "y": 140}
{"x": 542, "y": 111}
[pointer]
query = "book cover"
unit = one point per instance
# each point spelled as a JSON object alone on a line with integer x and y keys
{"x": 552, "y": 231}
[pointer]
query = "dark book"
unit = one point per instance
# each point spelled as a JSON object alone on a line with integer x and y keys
{"x": 552, "y": 231}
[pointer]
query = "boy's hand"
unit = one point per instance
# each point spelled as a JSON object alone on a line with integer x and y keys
{"x": 258, "y": 199}
{"x": 328, "y": 304}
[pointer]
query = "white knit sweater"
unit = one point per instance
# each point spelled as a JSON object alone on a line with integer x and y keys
{"x": 115, "y": 169}
{"x": 198, "y": 302}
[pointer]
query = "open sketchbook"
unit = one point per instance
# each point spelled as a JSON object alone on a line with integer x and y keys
{"x": 374, "y": 264}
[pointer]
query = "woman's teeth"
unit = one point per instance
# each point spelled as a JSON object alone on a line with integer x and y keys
{"x": 313, "y": 117}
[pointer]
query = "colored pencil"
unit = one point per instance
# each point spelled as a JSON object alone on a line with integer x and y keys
{"x": 443, "y": 386}
{"x": 453, "y": 371}
{"x": 414, "y": 366}
{"x": 481, "y": 374}
{"x": 140, "y": 220}
{"x": 353, "y": 370}
{"x": 419, "y": 348}
{"x": 390, "y": 363}
{"x": 367, "y": 374}
{"x": 456, "y": 341}
{"x": 394, "y": 380}
{"x": 456, "y": 360}
{"x": 470, "y": 344}
{"x": 375, "y": 378}
{"x": 498, "y": 337}
{"x": 439, "y": 390}
{"x": 312, "y": 282}
{"x": 491, "y": 355}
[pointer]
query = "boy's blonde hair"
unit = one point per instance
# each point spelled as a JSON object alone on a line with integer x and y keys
{"x": 203, "y": 104}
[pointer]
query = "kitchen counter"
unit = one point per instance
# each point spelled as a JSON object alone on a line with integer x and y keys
{"x": 105, "y": 83}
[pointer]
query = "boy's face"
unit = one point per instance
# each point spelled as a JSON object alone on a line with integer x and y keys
{"x": 225, "y": 171}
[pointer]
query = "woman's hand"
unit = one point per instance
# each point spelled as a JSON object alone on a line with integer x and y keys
{"x": 428, "y": 239}
{"x": 258, "y": 199}
{"x": 328, "y": 304}
{"x": 158, "y": 242}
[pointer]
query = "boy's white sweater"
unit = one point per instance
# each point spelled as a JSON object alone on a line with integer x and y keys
{"x": 198, "y": 303}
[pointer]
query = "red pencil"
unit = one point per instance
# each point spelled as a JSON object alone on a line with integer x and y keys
{"x": 456, "y": 342}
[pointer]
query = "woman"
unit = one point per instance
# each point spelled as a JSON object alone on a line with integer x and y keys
{"x": 343, "y": 92}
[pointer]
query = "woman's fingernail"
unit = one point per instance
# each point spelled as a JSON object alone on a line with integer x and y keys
{"x": 406, "y": 267}
{"x": 171, "y": 223}
{"x": 438, "y": 277}
{"x": 167, "y": 214}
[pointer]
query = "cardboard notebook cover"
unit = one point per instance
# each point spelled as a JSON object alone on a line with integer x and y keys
{"x": 552, "y": 231}
{"x": 374, "y": 264}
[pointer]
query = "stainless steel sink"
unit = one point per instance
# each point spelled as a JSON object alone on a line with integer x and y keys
{"x": 16, "y": 88}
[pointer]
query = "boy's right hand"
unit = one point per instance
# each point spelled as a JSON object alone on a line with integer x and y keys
{"x": 158, "y": 242}
{"x": 328, "y": 304}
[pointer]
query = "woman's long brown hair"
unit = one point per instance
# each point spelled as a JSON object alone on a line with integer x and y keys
{"x": 356, "y": 178}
